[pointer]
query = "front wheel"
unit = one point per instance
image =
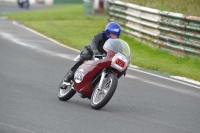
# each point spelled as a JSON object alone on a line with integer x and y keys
{"x": 100, "y": 97}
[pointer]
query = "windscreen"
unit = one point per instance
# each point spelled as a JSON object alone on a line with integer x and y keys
{"x": 118, "y": 45}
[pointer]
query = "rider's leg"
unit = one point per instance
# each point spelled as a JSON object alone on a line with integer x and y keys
{"x": 71, "y": 72}
{"x": 84, "y": 55}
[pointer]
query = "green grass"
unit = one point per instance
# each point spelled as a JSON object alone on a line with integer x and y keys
{"x": 188, "y": 7}
{"x": 69, "y": 25}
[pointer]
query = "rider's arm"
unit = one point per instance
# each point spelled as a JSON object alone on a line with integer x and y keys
{"x": 95, "y": 42}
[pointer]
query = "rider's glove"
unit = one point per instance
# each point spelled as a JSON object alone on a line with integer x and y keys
{"x": 96, "y": 52}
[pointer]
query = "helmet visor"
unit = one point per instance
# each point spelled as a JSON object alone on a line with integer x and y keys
{"x": 113, "y": 35}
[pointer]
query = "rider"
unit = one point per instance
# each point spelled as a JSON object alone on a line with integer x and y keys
{"x": 95, "y": 47}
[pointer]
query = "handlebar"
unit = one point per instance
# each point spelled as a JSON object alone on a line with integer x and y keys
{"x": 99, "y": 56}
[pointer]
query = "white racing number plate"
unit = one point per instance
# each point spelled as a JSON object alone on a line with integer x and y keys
{"x": 119, "y": 62}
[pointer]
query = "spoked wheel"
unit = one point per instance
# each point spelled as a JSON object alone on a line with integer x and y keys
{"x": 66, "y": 93}
{"x": 101, "y": 96}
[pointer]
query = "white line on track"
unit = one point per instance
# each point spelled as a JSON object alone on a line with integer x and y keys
{"x": 33, "y": 31}
{"x": 38, "y": 49}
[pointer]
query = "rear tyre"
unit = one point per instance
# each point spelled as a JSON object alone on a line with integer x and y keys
{"x": 66, "y": 93}
{"x": 100, "y": 97}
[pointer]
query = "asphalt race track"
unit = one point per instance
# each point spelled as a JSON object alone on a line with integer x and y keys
{"x": 31, "y": 68}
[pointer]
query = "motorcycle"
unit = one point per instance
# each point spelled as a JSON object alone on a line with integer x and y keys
{"x": 97, "y": 79}
{"x": 23, "y": 4}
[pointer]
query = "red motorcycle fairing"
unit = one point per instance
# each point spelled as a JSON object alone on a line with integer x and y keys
{"x": 88, "y": 71}
{"x": 83, "y": 84}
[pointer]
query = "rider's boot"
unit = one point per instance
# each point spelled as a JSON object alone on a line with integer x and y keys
{"x": 67, "y": 79}
{"x": 70, "y": 75}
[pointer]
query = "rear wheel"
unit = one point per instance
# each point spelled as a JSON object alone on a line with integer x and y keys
{"x": 65, "y": 93}
{"x": 100, "y": 97}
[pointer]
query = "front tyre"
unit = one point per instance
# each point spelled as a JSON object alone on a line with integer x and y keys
{"x": 100, "y": 97}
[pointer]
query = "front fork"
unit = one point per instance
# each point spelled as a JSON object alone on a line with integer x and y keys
{"x": 104, "y": 72}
